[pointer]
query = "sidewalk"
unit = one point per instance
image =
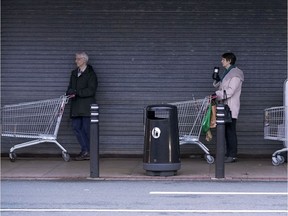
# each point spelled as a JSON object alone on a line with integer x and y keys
{"x": 245, "y": 169}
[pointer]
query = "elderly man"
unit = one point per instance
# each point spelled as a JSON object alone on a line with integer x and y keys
{"x": 82, "y": 89}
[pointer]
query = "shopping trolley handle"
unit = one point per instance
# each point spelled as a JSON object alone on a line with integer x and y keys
{"x": 70, "y": 96}
{"x": 213, "y": 96}
{"x": 66, "y": 97}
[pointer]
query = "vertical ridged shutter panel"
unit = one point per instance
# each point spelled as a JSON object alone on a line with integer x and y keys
{"x": 144, "y": 52}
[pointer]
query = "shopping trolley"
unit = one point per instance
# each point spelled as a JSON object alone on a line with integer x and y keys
{"x": 37, "y": 121}
{"x": 190, "y": 118}
{"x": 275, "y": 128}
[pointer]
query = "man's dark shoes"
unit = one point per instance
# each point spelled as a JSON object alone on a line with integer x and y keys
{"x": 230, "y": 159}
{"x": 82, "y": 156}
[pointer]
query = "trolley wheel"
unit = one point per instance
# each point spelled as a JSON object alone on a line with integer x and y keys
{"x": 209, "y": 159}
{"x": 280, "y": 158}
{"x": 275, "y": 161}
{"x": 65, "y": 156}
{"x": 12, "y": 156}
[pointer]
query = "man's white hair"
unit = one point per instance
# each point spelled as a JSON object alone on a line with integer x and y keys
{"x": 83, "y": 55}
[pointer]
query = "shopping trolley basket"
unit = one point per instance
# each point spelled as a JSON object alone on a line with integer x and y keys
{"x": 275, "y": 128}
{"x": 190, "y": 118}
{"x": 37, "y": 121}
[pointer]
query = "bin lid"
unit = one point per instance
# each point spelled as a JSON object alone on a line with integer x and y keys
{"x": 162, "y": 107}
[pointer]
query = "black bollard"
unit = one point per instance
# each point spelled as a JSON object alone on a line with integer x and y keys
{"x": 220, "y": 146}
{"x": 94, "y": 141}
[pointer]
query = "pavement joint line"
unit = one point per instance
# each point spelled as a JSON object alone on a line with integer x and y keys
{"x": 145, "y": 178}
{"x": 146, "y": 210}
{"x": 218, "y": 193}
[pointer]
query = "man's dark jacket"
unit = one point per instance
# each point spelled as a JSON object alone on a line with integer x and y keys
{"x": 85, "y": 88}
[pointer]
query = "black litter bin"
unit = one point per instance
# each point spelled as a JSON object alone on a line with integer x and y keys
{"x": 161, "y": 141}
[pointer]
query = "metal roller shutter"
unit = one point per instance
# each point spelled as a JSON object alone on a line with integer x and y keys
{"x": 144, "y": 52}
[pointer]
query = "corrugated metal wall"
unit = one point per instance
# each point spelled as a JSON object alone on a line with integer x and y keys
{"x": 144, "y": 52}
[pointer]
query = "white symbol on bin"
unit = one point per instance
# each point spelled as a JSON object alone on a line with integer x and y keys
{"x": 156, "y": 132}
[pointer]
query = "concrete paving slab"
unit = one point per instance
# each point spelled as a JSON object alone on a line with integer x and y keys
{"x": 256, "y": 169}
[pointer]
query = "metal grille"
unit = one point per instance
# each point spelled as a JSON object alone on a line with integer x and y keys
{"x": 274, "y": 126}
{"x": 33, "y": 119}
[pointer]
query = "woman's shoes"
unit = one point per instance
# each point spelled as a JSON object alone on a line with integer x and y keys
{"x": 230, "y": 159}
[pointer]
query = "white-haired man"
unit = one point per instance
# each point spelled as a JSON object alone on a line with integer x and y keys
{"x": 82, "y": 89}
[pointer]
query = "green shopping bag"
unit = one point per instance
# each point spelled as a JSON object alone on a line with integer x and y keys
{"x": 206, "y": 120}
